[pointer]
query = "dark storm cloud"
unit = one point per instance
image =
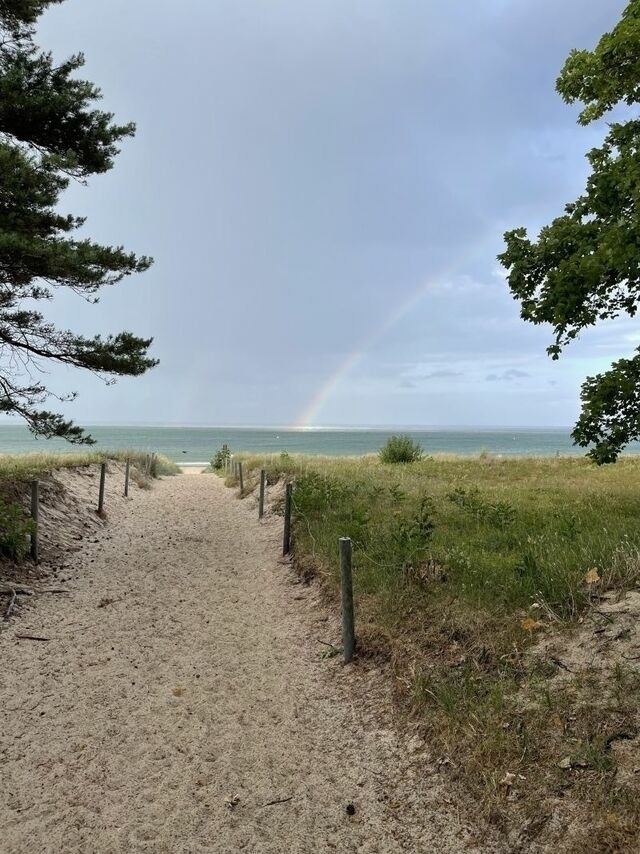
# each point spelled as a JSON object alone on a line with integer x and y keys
{"x": 300, "y": 171}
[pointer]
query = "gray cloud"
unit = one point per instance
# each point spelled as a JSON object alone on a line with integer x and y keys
{"x": 443, "y": 374}
{"x": 300, "y": 172}
{"x": 508, "y": 376}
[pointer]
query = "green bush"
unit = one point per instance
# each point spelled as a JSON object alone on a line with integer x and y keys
{"x": 220, "y": 458}
{"x": 14, "y": 527}
{"x": 400, "y": 449}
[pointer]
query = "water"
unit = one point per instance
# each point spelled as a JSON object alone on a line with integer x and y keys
{"x": 198, "y": 444}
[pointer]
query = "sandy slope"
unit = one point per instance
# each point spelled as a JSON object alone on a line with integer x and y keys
{"x": 201, "y": 682}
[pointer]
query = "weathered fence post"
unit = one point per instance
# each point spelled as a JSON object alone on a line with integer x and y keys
{"x": 103, "y": 474}
{"x": 241, "y": 481}
{"x": 286, "y": 540}
{"x": 263, "y": 481}
{"x": 346, "y": 583}
{"x": 126, "y": 478}
{"x": 35, "y": 512}
{"x": 153, "y": 466}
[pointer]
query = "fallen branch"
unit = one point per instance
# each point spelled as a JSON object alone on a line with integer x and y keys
{"x": 32, "y": 637}
{"x": 278, "y": 801}
{"x": 9, "y": 589}
{"x": 10, "y": 606}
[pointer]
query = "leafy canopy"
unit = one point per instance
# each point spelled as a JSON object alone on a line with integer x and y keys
{"x": 51, "y": 133}
{"x": 585, "y": 266}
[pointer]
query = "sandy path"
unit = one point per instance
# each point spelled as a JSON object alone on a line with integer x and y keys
{"x": 201, "y": 681}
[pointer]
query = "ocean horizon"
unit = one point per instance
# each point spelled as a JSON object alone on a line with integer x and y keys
{"x": 197, "y": 444}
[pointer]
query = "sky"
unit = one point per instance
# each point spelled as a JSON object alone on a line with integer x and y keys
{"x": 324, "y": 186}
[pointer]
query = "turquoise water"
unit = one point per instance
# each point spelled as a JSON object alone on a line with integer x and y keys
{"x": 198, "y": 444}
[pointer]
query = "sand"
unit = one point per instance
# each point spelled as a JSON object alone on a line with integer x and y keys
{"x": 182, "y": 692}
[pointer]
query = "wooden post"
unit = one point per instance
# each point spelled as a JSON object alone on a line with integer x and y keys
{"x": 346, "y": 582}
{"x": 153, "y": 466}
{"x": 103, "y": 474}
{"x": 286, "y": 541}
{"x": 35, "y": 512}
{"x": 263, "y": 481}
{"x": 126, "y": 478}
{"x": 241, "y": 481}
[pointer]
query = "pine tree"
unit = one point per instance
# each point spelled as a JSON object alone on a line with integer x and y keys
{"x": 50, "y": 134}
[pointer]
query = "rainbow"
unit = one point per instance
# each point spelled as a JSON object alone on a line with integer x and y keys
{"x": 308, "y": 417}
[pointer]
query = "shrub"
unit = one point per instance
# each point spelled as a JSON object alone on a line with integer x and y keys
{"x": 220, "y": 458}
{"x": 14, "y": 527}
{"x": 400, "y": 449}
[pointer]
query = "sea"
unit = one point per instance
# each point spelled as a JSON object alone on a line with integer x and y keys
{"x": 198, "y": 444}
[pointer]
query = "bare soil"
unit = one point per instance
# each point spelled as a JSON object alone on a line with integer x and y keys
{"x": 181, "y": 703}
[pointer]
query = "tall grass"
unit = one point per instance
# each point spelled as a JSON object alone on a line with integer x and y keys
{"x": 25, "y": 466}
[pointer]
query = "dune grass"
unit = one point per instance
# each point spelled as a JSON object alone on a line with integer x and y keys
{"x": 461, "y": 566}
{"x": 26, "y": 466}
{"x": 510, "y": 532}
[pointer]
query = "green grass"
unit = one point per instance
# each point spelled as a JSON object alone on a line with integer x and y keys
{"x": 460, "y": 565}
{"x": 510, "y": 532}
{"x": 25, "y": 466}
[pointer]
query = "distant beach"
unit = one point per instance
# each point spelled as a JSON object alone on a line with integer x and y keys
{"x": 197, "y": 444}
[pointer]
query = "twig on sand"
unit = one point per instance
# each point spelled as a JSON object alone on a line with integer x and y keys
{"x": 278, "y": 801}
{"x": 11, "y": 605}
{"x": 8, "y": 590}
{"x": 51, "y": 590}
{"x": 32, "y": 637}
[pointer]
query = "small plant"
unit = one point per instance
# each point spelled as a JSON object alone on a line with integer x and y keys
{"x": 220, "y": 458}
{"x": 330, "y": 651}
{"x": 400, "y": 449}
{"x": 396, "y": 493}
{"x": 14, "y": 527}
{"x": 411, "y": 536}
{"x": 498, "y": 514}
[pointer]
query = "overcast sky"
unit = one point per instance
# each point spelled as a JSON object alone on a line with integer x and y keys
{"x": 324, "y": 186}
